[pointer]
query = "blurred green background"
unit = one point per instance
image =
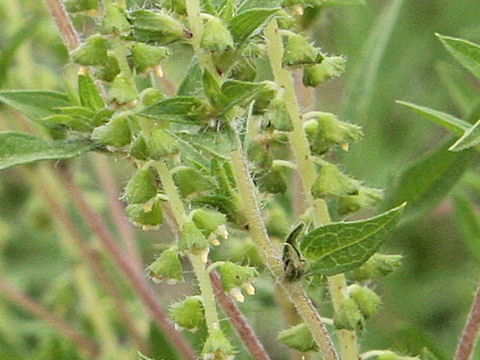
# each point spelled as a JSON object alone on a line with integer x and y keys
{"x": 392, "y": 54}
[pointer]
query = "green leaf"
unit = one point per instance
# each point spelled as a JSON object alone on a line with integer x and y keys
{"x": 258, "y": 4}
{"x": 143, "y": 357}
{"x": 466, "y": 52}
{"x": 427, "y": 181}
{"x": 19, "y": 148}
{"x": 470, "y": 138}
{"x": 335, "y": 248}
{"x": 240, "y": 92}
{"x": 183, "y": 109}
{"x": 213, "y": 90}
{"x": 248, "y": 23}
{"x": 468, "y": 223}
{"x": 192, "y": 83}
{"x": 89, "y": 94}
{"x": 448, "y": 121}
{"x": 34, "y": 104}
{"x": 160, "y": 347}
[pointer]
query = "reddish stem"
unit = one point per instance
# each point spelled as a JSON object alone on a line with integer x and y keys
{"x": 20, "y": 299}
{"x": 470, "y": 332}
{"x": 60, "y": 16}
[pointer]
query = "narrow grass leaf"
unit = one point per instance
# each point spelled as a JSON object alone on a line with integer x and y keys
{"x": 449, "y": 122}
{"x": 427, "y": 181}
{"x": 466, "y": 52}
{"x": 335, "y": 248}
{"x": 34, "y": 104}
{"x": 468, "y": 223}
{"x": 19, "y": 148}
{"x": 469, "y": 139}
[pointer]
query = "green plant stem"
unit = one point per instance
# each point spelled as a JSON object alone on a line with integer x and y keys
{"x": 136, "y": 279}
{"x": 470, "y": 332}
{"x": 84, "y": 343}
{"x": 272, "y": 258}
{"x": 206, "y": 291}
{"x": 307, "y": 173}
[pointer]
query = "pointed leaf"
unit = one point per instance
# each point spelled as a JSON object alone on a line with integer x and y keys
{"x": 240, "y": 92}
{"x": 468, "y": 222}
{"x": 20, "y": 148}
{"x": 448, "y": 121}
{"x": 34, "y": 104}
{"x": 335, "y": 248}
{"x": 192, "y": 83}
{"x": 466, "y": 52}
{"x": 427, "y": 181}
{"x": 89, "y": 94}
{"x": 469, "y": 139}
{"x": 184, "y": 109}
{"x": 248, "y": 23}
{"x": 258, "y": 4}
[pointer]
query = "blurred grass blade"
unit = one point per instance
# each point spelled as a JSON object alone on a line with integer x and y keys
{"x": 427, "y": 181}
{"x": 461, "y": 92}
{"x": 19, "y": 148}
{"x": 34, "y": 104}
{"x": 466, "y": 52}
{"x": 448, "y": 121}
{"x": 359, "y": 95}
{"x": 469, "y": 139}
{"x": 468, "y": 223}
{"x": 338, "y": 247}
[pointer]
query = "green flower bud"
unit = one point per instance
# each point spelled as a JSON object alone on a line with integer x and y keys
{"x": 264, "y": 98}
{"x": 138, "y": 149}
{"x": 151, "y": 96}
{"x": 217, "y": 347}
{"x": 324, "y": 131}
{"x": 147, "y": 216}
{"x": 109, "y": 70}
{"x": 234, "y": 277}
{"x": 348, "y": 316}
{"x": 92, "y": 52}
{"x": 188, "y": 313}
{"x": 332, "y": 182}
{"x": 367, "y": 301}
{"x": 366, "y": 197}
{"x": 115, "y": 20}
{"x": 192, "y": 239}
{"x": 209, "y": 221}
{"x": 145, "y": 57}
{"x": 122, "y": 90}
{"x": 257, "y": 153}
{"x": 378, "y": 266}
{"x": 285, "y": 20}
{"x": 390, "y": 355}
{"x": 244, "y": 70}
{"x": 215, "y": 35}
{"x": 115, "y": 133}
{"x": 167, "y": 267}
{"x": 299, "y": 52}
{"x": 274, "y": 181}
{"x": 161, "y": 144}
{"x": 278, "y": 116}
{"x": 330, "y": 67}
{"x": 155, "y": 27}
{"x": 141, "y": 187}
{"x": 298, "y": 337}
{"x": 74, "y": 6}
{"x": 190, "y": 181}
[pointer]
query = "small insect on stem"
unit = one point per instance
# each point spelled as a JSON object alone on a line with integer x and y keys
{"x": 293, "y": 264}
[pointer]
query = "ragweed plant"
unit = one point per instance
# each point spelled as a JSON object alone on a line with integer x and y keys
{"x": 213, "y": 158}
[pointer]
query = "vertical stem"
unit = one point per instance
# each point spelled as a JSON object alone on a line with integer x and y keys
{"x": 470, "y": 332}
{"x": 60, "y": 16}
{"x": 308, "y": 174}
{"x": 63, "y": 328}
{"x": 272, "y": 259}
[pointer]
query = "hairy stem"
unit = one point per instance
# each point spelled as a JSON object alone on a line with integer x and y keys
{"x": 60, "y": 16}
{"x": 136, "y": 279}
{"x": 272, "y": 259}
{"x": 470, "y": 332}
{"x": 17, "y": 297}
{"x": 307, "y": 173}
